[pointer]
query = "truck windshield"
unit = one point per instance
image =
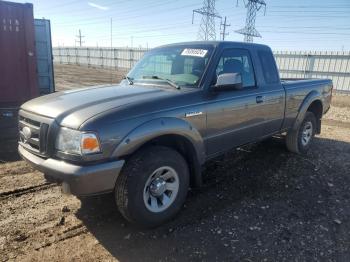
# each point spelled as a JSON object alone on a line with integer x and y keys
{"x": 176, "y": 65}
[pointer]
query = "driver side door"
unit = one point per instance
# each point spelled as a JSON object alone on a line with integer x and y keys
{"x": 234, "y": 117}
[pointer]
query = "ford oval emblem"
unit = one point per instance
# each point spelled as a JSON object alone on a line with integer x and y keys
{"x": 27, "y": 133}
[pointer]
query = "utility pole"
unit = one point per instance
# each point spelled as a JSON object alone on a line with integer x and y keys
{"x": 223, "y": 33}
{"x": 112, "y": 52}
{"x": 207, "y": 26}
{"x": 111, "y": 32}
{"x": 249, "y": 31}
{"x": 80, "y": 37}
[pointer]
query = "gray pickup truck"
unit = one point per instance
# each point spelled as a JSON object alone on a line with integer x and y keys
{"x": 147, "y": 138}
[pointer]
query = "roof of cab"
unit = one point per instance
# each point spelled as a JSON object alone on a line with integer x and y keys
{"x": 220, "y": 43}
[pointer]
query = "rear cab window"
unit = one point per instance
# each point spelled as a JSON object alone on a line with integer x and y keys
{"x": 269, "y": 67}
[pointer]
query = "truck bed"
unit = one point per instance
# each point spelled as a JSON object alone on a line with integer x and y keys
{"x": 303, "y": 80}
{"x": 297, "y": 89}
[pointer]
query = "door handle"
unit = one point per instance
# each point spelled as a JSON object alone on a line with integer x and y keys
{"x": 259, "y": 99}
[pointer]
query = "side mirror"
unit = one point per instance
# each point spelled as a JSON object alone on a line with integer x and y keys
{"x": 229, "y": 81}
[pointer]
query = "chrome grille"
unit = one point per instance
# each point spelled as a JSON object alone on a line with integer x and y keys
{"x": 33, "y": 135}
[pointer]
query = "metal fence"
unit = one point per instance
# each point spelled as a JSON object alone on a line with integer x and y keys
{"x": 298, "y": 64}
{"x": 99, "y": 57}
{"x": 333, "y": 65}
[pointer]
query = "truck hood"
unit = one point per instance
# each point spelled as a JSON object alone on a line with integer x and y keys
{"x": 74, "y": 107}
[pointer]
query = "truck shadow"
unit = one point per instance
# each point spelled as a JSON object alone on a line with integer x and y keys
{"x": 9, "y": 151}
{"x": 244, "y": 183}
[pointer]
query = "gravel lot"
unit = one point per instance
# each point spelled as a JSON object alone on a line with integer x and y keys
{"x": 73, "y": 76}
{"x": 259, "y": 203}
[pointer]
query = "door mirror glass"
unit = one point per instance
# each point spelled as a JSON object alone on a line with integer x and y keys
{"x": 228, "y": 81}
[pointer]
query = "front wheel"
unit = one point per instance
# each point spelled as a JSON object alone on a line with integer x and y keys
{"x": 299, "y": 140}
{"x": 153, "y": 186}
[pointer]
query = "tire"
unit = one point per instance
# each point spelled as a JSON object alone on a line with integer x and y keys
{"x": 299, "y": 140}
{"x": 148, "y": 170}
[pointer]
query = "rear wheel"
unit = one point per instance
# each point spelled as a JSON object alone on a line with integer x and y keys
{"x": 299, "y": 140}
{"x": 153, "y": 185}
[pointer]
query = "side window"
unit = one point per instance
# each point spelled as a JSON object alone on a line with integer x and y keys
{"x": 269, "y": 67}
{"x": 237, "y": 61}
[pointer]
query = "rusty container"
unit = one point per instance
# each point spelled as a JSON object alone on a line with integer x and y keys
{"x": 18, "y": 76}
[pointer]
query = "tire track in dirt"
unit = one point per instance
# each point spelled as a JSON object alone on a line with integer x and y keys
{"x": 13, "y": 182}
{"x": 71, "y": 232}
{"x": 36, "y": 217}
{"x": 26, "y": 190}
{"x": 14, "y": 168}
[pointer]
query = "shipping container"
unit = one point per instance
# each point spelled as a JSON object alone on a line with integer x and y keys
{"x": 17, "y": 53}
{"x": 26, "y": 69}
{"x": 44, "y": 57}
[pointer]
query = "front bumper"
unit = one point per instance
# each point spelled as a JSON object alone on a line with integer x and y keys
{"x": 77, "y": 180}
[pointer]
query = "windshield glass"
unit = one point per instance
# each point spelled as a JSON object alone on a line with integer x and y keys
{"x": 180, "y": 65}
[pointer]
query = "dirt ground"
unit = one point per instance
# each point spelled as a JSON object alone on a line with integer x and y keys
{"x": 258, "y": 203}
{"x": 73, "y": 76}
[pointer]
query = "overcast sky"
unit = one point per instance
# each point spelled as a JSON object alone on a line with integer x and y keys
{"x": 286, "y": 25}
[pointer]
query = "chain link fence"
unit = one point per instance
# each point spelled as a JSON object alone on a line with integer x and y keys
{"x": 297, "y": 64}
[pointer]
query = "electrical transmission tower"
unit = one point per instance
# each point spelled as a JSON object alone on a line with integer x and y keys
{"x": 80, "y": 37}
{"x": 207, "y": 26}
{"x": 249, "y": 31}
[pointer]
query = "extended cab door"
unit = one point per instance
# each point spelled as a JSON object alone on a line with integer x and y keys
{"x": 234, "y": 117}
{"x": 272, "y": 92}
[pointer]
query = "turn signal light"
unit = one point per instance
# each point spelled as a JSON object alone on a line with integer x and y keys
{"x": 90, "y": 144}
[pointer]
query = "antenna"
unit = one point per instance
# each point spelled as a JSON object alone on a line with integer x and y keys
{"x": 249, "y": 31}
{"x": 207, "y": 27}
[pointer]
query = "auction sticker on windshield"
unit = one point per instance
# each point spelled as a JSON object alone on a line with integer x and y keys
{"x": 194, "y": 52}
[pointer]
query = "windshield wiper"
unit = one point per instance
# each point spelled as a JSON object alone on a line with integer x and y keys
{"x": 172, "y": 83}
{"x": 129, "y": 79}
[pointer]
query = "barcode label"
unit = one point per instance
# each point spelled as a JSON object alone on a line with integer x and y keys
{"x": 194, "y": 52}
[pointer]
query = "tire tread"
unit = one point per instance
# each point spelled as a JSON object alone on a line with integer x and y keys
{"x": 134, "y": 165}
{"x": 292, "y": 138}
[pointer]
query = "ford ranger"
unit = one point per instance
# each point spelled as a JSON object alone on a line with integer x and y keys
{"x": 147, "y": 138}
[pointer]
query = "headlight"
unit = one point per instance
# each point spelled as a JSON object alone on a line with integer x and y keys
{"x": 75, "y": 142}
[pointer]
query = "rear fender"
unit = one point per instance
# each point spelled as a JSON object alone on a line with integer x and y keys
{"x": 311, "y": 97}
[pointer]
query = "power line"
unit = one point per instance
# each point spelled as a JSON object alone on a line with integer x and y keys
{"x": 104, "y": 20}
{"x": 207, "y": 25}
{"x": 150, "y": 36}
{"x": 307, "y": 27}
{"x": 309, "y": 6}
{"x": 249, "y": 31}
{"x": 53, "y": 10}
{"x": 311, "y": 11}
{"x": 145, "y": 30}
{"x": 311, "y": 16}
{"x": 126, "y": 13}
{"x": 308, "y": 33}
